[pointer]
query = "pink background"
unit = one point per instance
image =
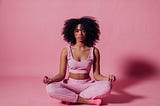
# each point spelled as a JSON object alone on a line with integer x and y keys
{"x": 31, "y": 41}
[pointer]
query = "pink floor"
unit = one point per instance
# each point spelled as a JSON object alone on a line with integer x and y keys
{"x": 15, "y": 91}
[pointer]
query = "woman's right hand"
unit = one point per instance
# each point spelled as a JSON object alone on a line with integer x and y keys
{"x": 47, "y": 80}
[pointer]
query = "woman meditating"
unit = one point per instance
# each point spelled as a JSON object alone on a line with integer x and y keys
{"x": 77, "y": 58}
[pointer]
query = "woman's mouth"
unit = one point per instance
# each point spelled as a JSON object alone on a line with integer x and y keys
{"x": 80, "y": 38}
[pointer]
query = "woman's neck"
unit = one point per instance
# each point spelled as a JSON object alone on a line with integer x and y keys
{"x": 80, "y": 45}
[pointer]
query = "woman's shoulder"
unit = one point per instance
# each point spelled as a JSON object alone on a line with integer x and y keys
{"x": 64, "y": 51}
{"x": 65, "y": 48}
{"x": 96, "y": 50}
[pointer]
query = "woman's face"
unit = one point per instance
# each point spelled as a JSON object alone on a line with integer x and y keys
{"x": 80, "y": 33}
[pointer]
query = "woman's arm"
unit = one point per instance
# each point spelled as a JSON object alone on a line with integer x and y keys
{"x": 96, "y": 68}
{"x": 62, "y": 69}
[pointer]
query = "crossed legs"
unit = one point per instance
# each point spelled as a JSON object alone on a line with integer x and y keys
{"x": 89, "y": 95}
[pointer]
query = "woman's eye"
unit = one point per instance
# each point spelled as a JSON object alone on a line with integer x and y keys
{"x": 83, "y": 31}
{"x": 76, "y": 30}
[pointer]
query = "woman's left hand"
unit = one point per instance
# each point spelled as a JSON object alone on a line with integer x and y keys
{"x": 111, "y": 78}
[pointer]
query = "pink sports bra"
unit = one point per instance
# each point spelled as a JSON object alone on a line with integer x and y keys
{"x": 75, "y": 66}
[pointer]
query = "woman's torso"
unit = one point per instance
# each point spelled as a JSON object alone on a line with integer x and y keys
{"x": 79, "y": 69}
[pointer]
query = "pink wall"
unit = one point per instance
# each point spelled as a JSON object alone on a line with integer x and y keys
{"x": 31, "y": 41}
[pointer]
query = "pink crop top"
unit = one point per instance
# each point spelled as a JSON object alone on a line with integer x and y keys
{"x": 75, "y": 66}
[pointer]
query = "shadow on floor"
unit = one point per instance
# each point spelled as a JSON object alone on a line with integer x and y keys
{"x": 135, "y": 72}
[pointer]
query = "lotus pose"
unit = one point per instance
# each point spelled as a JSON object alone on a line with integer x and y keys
{"x": 78, "y": 57}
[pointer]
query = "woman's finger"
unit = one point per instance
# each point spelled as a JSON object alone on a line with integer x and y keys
{"x": 111, "y": 78}
{"x": 45, "y": 79}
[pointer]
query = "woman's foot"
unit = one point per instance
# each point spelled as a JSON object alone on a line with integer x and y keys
{"x": 89, "y": 101}
{"x": 95, "y": 101}
{"x": 65, "y": 102}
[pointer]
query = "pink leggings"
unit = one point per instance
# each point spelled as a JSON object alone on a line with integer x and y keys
{"x": 73, "y": 88}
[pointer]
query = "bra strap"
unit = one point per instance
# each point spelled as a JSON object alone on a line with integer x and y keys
{"x": 69, "y": 52}
{"x": 91, "y": 55}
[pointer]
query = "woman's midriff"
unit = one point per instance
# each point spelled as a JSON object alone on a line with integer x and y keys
{"x": 79, "y": 76}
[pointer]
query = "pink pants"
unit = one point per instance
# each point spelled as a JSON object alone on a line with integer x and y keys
{"x": 73, "y": 88}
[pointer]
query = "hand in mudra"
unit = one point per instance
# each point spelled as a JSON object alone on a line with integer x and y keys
{"x": 111, "y": 78}
{"x": 47, "y": 80}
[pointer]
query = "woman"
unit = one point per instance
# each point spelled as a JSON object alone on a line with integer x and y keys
{"x": 77, "y": 58}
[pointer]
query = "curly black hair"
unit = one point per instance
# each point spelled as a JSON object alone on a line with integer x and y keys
{"x": 90, "y": 26}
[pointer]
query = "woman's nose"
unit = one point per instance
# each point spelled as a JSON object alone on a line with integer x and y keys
{"x": 80, "y": 32}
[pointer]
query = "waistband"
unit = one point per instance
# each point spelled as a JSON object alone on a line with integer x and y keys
{"x": 71, "y": 80}
{"x": 78, "y": 71}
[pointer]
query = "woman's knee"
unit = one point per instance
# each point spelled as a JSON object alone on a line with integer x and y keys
{"x": 105, "y": 89}
{"x": 106, "y": 86}
{"x": 51, "y": 89}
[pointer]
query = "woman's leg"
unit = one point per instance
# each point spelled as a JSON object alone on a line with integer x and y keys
{"x": 95, "y": 91}
{"x": 98, "y": 89}
{"x": 56, "y": 90}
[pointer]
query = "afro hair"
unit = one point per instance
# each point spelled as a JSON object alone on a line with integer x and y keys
{"x": 90, "y": 26}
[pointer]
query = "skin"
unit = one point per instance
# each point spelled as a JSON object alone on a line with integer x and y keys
{"x": 80, "y": 53}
